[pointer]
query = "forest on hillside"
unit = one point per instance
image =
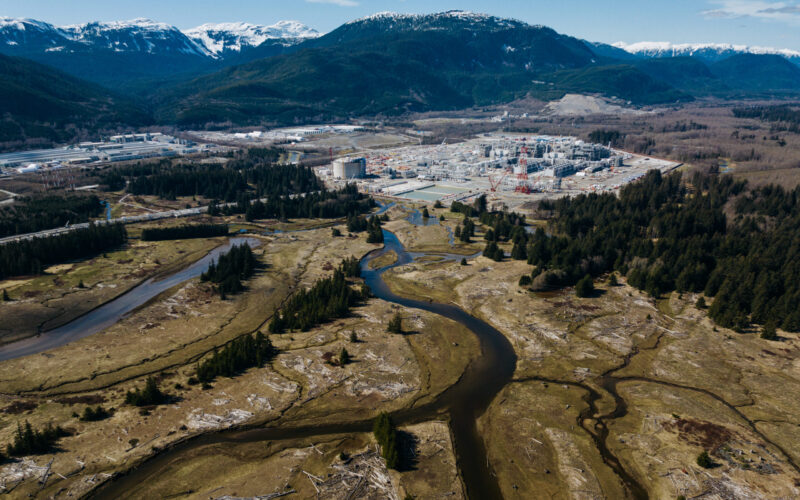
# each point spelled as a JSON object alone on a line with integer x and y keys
{"x": 708, "y": 234}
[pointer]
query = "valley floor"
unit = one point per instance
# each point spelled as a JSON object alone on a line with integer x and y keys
{"x": 613, "y": 396}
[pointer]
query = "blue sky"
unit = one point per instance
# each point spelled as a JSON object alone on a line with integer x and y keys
{"x": 753, "y": 22}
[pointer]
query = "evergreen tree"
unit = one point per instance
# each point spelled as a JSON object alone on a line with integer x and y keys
{"x": 768, "y": 331}
{"x": 344, "y": 357}
{"x": 238, "y": 264}
{"x": 28, "y": 441}
{"x": 327, "y": 299}
{"x": 149, "y": 396}
{"x": 31, "y": 256}
{"x": 585, "y": 287}
{"x": 95, "y": 414}
{"x": 246, "y": 352}
{"x": 492, "y": 251}
{"x": 704, "y": 460}
{"x": 518, "y": 252}
{"x": 395, "y": 324}
{"x": 385, "y": 433}
{"x": 464, "y": 233}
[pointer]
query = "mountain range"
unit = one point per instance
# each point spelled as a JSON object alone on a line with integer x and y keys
{"x": 130, "y": 55}
{"x": 384, "y": 64}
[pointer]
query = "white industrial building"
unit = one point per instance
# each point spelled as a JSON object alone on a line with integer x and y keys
{"x": 349, "y": 168}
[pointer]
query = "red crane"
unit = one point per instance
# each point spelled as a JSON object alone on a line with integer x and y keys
{"x": 496, "y": 181}
{"x": 522, "y": 176}
{"x": 523, "y": 163}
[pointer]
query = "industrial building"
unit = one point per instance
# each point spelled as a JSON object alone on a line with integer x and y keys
{"x": 117, "y": 148}
{"x": 349, "y": 168}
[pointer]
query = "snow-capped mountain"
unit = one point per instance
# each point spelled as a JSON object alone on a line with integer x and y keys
{"x": 27, "y": 37}
{"x": 38, "y": 35}
{"x": 711, "y": 52}
{"x": 219, "y": 39}
{"x": 124, "y": 54}
{"x": 138, "y": 35}
{"x": 441, "y": 20}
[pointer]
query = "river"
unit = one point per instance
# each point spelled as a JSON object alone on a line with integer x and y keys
{"x": 111, "y": 312}
{"x": 463, "y": 402}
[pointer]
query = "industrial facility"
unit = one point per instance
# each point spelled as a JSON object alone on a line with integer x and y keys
{"x": 117, "y": 148}
{"x": 514, "y": 168}
{"x": 349, "y": 168}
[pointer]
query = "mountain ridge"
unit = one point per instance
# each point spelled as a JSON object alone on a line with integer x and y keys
{"x": 382, "y": 64}
{"x": 708, "y": 51}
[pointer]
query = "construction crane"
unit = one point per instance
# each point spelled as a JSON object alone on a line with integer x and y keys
{"x": 496, "y": 181}
{"x": 523, "y": 163}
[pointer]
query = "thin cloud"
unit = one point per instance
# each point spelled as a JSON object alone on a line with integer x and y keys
{"x": 340, "y": 3}
{"x": 788, "y": 12}
{"x": 791, "y": 9}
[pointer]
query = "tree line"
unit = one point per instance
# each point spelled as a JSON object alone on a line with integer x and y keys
{"x": 37, "y": 213}
{"x": 385, "y": 432}
{"x": 183, "y": 232}
{"x": 784, "y": 114}
{"x": 252, "y": 174}
{"x": 329, "y": 298}
{"x": 321, "y": 204}
{"x": 150, "y": 395}
{"x": 30, "y": 441}
{"x": 230, "y": 269}
{"x": 372, "y": 225}
{"x": 667, "y": 233}
{"x": 245, "y": 352}
{"x": 30, "y": 257}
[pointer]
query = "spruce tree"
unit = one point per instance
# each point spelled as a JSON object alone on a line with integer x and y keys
{"x": 585, "y": 287}
{"x": 395, "y": 324}
{"x": 768, "y": 331}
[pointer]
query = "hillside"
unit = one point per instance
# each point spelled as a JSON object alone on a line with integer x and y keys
{"x": 388, "y": 64}
{"x": 759, "y": 73}
{"x": 139, "y": 55}
{"x": 40, "y": 105}
{"x": 385, "y": 64}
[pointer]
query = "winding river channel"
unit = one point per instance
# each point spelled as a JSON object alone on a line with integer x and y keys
{"x": 462, "y": 403}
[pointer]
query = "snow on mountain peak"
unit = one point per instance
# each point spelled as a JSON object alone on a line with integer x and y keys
{"x": 135, "y": 35}
{"x": 222, "y": 37}
{"x": 459, "y": 19}
{"x": 668, "y": 49}
{"x": 21, "y": 23}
